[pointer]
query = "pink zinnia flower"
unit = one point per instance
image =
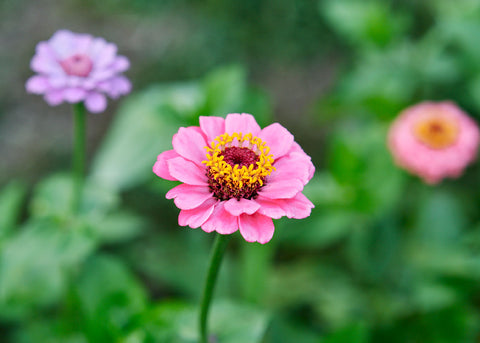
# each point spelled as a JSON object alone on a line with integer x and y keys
{"x": 236, "y": 176}
{"x": 434, "y": 140}
{"x": 75, "y": 67}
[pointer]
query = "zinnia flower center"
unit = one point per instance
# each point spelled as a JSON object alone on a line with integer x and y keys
{"x": 237, "y": 166}
{"x": 437, "y": 132}
{"x": 77, "y": 65}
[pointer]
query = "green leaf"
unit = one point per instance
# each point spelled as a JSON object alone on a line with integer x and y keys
{"x": 11, "y": 200}
{"x": 52, "y": 198}
{"x": 109, "y": 294}
{"x": 225, "y": 90}
{"x": 353, "y": 333}
{"x": 360, "y": 162}
{"x": 144, "y": 127}
{"x": 118, "y": 227}
{"x": 45, "y": 330}
{"x": 179, "y": 260}
{"x": 319, "y": 230}
{"x": 440, "y": 218}
{"x": 255, "y": 265}
{"x": 364, "y": 22}
{"x": 290, "y": 329}
{"x": 229, "y": 322}
{"x": 34, "y": 265}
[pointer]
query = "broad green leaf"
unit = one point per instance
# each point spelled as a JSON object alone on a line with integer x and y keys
{"x": 53, "y": 198}
{"x": 364, "y": 22}
{"x": 118, "y": 227}
{"x": 256, "y": 261}
{"x": 107, "y": 293}
{"x": 34, "y": 265}
{"x": 173, "y": 322}
{"x": 290, "y": 329}
{"x": 324, "y": 227}
{"x": 11, "y": 200}
{"x": 180, "y": 260}
{"x": 360, "y": 162}
{"x": 225, "y": 90}
{"x": 353, "y": 333}
{"x": 440, "y": 218}
{"x": 143, "y": 128}
{"x": 44, "y": 330}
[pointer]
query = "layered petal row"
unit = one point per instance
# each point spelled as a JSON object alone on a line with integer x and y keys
{"x": 236, "y": 176}
{"x": 76, "y": 68}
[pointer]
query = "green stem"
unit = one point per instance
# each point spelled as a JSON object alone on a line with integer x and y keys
{"x": 78, "y": 162}
{"x": 215, "y": 261}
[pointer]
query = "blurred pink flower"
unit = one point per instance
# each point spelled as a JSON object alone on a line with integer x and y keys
{"x": 434, "y": 140}
{"x": 75, "y": 67}
{"x": 236, "y": 176}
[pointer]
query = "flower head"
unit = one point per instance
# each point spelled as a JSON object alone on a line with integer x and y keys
{"x": 236, "y": 176}
{"x": 75, "y": 67}
{"x": 433, "y": 140}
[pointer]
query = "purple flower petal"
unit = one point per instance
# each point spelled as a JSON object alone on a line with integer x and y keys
{"x": 37, "y": 84}
{"x": 74, "y": 95}
{"x": 96, "y": 102}
{"x": 54, "y": 97}
{"x": 78, "y": 67}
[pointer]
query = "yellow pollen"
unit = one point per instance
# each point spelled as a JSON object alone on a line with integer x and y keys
{"x": 436, "y": 132}
{"x": 239, "y": 177}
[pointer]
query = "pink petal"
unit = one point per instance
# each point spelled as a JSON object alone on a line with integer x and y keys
{"x": 212, "y": 127}
{"x": 298, "y": 207}
{"x": 278, "y": 139}
{"x": 295, "y": 166}
{"x": 272, "y": 208}
{"x": 256, "y": 228}
{"x": 115, "y": 86}
{"x": 45, "y": 65}
{"x": 54, "y": 97}
{"x": 96, "y": 48}
{"x": 63, "y": 43}
{"x": 197, "y": 216}
{"x": 189, "y": 143}
{"x": 74, "y": 95}
{"x": 37, "y": 84}
{"x": 74, "y": 81}
{"x": 44, "y": 50}
{"x": 105, "y": 56}
{"x": 122, "y": 84}
{"x": 120, "y": 64}
{"x": 58, "y": 81}
{"x": 237, "y": 207}
{"x": 221, "y": 221}
{"x": 83, "y": 42}
{"x": 187, "y": 172}
{"x": 244, "y": 123}
{"x": 161, "y": 168}
{"x": 95, "y": 102}
{"x": 282, "y": 189}
{"x": 187, "y": 197}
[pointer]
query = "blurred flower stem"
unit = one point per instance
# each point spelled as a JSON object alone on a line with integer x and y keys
{"x": 78, "y": 162}
{"x": 214, "y": 265}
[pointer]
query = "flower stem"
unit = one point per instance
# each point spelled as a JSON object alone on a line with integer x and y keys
{"x": 78, "y": 162}
{"x": 215, "y": 261}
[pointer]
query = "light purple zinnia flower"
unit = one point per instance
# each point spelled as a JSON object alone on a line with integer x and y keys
{"x": 75, "y": 67}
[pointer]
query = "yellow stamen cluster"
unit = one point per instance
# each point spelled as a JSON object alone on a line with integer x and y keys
{"x": 229, "y": 179}
{"x": 437, "y": 132}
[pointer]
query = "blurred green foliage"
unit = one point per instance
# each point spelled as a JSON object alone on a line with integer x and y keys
{"x": 382, "y": 258}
